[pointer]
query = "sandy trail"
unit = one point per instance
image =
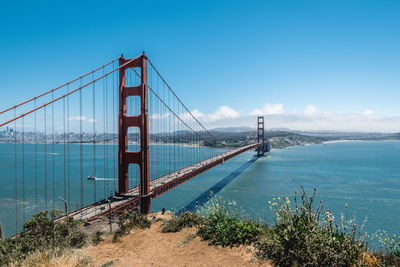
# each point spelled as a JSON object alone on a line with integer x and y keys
{"x": 152, "y": 248}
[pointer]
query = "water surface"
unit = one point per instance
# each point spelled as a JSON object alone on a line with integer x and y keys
{"x": 366, "y": 175}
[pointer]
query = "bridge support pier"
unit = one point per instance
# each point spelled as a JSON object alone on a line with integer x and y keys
{"x": 126, "y": 157}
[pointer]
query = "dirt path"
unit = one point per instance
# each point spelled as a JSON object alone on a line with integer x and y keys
{"x": 152, "y": 248}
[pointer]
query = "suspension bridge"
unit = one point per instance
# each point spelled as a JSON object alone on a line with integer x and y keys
{"x": 105, "y": 143}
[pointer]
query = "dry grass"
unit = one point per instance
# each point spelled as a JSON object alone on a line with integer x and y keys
{"x": 370, "y": 260}
{"x": 67, "y": 258}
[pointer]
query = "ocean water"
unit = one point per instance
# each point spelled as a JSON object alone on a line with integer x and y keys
{"x": 365, "y": 175}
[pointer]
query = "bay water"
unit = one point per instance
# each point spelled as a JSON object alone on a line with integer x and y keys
{"x": 363, "y": 175}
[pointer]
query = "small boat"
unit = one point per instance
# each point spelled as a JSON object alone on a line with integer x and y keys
{"x": 91, "y": 178}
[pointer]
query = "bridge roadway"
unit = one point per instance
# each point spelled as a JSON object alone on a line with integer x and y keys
{"x": 129, "y": 201}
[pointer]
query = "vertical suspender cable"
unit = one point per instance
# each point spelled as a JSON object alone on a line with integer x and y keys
{"x": 23, "y": 171}
{"x": 80, "y": 143}
{"x": 45, "y": 156}
{"x": 159, "y": 134}
{"x": 52, "y": 149}
{"x": 65, "y": 171}
{"x": 174, "y": 135}
{"x": 36, "y": 174}
{"x": 162, "y": 118}
{"x": 15, "y": 172}
{"x": 151, "y": 151}
{"x": 162, "y": 135}
{"x": 68, "y": 151}
{"x": 113, "y": 127}
{"x": 170, "y": 133}
{"x": 106, "y": 140}
{"x": 178, "y": 143}
{"x": 94, "y": 139}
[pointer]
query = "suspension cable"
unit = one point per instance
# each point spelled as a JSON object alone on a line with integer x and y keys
{"x": 55, "y": 89}
{"x": 181, "y": 101}
{"x": 67, "y": 94}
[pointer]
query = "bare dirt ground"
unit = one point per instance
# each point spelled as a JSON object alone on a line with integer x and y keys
{"x": 152, "y": 248}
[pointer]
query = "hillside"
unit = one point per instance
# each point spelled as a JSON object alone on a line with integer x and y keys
{"x": 151, "y": 247}
{"x": 277, "y": 139}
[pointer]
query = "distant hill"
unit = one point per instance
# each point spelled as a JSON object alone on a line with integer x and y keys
{"x": 233, "y": 129}
{"x": 332, "y": 135}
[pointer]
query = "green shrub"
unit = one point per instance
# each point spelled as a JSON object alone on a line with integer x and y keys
{"x": 97, "y": 237}
{"x": 226, "y": 229}
{"x": 129, "y": 221}
{"x": 303, "y": 237}
{"x": 184, "y": 220}
{"x": 389, "y": 253}
{"x": 39, "y": 234}
{"x": 109, "y": 263}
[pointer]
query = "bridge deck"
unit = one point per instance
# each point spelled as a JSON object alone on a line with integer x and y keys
{"x": 157, "y": 186}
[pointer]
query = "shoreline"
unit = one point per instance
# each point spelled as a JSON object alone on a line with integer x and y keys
{"x": 335, "y": 141}
{"x": 350, "y": 140}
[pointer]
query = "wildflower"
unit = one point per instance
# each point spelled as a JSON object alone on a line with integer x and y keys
{"x": 329, "y": 217}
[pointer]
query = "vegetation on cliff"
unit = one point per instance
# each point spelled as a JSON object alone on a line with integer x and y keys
{"x": 302, "y": 233}
{"x": 41, "y": 234}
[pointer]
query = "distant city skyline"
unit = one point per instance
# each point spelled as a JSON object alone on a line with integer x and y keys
{"x": 304, "y": 65}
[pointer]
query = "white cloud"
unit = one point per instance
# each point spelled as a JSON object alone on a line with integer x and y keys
{"x": 269, "y": 109}
{"x": 368, "y": 112}
{"x": 223, "y": 112}
{"x": 156, "y": 116}
{"x": 77, "y": 118}
{"x": 311, "y": 119}
{"x": 310, "y": 110}
{"x": 196, "y": 113}
{"x": 328, "y": 122}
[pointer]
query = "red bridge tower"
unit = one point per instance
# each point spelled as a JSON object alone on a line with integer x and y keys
{"x": 141, "y": 121}
{"x": 260, "y": 136}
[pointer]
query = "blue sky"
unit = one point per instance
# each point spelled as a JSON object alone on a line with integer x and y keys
{"x": 307, "y": 64}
